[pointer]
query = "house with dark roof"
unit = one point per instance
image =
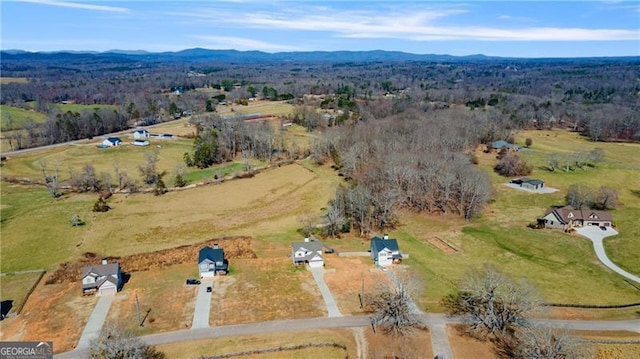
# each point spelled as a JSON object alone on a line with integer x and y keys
{"x": 211, "y": 262}
{"x": 528, "y": 183}
{"x": 111, "y": 142}
{"x": 102, "y": 279}
{"x": 140, "y": 134}
{"x": 498, "y": 145}
{"x": 308, "y": 252}
{"x": 567, "y": 217}
{"x": 385, "y": 251}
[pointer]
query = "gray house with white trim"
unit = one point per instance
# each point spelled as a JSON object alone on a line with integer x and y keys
{"x": 102, "y": 279}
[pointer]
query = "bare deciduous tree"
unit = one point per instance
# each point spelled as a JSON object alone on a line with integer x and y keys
{"x": 491, "y": 302}
{"x": 117, "y": 343}
{"x": 392, "y": 307}
{"x": 512, "y": 165}
{"x": 539, "y": 342}
{"x": 578, "y": 196}
{"x": 50, "y": 179}
{"x": 606, "y": 198}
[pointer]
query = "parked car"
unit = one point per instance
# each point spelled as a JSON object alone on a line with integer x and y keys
{"x": 193, "y": 282}
{"x": 209, "y": 289}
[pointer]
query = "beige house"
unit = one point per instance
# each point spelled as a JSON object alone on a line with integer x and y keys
{"x": 568, "y": 217}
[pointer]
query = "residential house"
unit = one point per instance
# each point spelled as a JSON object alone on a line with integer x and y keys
{"x": 567, "y": 217}
{"x": 211, "y": 262}
{"x": 498, "y": 145}
{"x": 528, "y": 183}
{"x": 141, "y": 134}
{"x": 111, "y": 142}
{"x": 102, "y": 279}
{"x": 385, "y": 251}
{"x": 307, "y": 252}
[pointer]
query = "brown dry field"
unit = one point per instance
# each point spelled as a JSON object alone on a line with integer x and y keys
{"x": 613, "y": 350}
{"x": 415, "y": 345}
{"x": 269, "y": 203}
{"x": 196, "y": 349}
{"x": 164, "y": 292}
{"x": 345, "y": 276}
{"x": 247, "y": 294}
{"x": 56, "y": 312}
{"x": 464, "y": 346}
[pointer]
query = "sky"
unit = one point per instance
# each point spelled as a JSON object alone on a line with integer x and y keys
{"x": 496, "y": 28}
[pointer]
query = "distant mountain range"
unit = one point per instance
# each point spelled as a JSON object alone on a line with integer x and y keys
{"x": 204, "y": 55}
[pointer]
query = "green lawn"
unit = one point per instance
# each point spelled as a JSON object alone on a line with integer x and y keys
{"x": 74, "y": 107}
{"x": 14, "y": 117}
{"x": 37, "y": 227}
{"x": 15, "y": 288}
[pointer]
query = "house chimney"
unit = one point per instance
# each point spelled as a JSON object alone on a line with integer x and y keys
{"x": 306, "y": 239}
{"x": 386, "y": 236}
{"x": 104, "y": 261}
{"x": 215, "y": 246}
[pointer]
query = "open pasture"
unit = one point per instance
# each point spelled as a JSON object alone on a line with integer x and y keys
{"x": 8, "y": 80}
{"x": 268, "y": 204}
{"x": 228, "y": 345}
{"x": 12, "y": 118}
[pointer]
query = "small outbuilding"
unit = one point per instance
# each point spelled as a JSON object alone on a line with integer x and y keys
{"x": 211, "y": 262}
{"x": 528, "y": 183}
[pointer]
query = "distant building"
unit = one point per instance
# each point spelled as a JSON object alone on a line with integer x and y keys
{"x": 140, "y": 134}
{"x": 112, "y": 142}
{"x": 498, "y": 145}
{"x": 528, "y": 183}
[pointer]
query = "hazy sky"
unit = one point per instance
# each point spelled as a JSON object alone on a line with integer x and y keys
{"x": 500, "y": 28}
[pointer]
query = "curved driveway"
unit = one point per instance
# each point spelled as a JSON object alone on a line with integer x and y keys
{"x": 597, "y": 235}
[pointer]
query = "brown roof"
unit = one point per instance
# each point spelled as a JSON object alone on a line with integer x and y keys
{"x": 568, "y": 213}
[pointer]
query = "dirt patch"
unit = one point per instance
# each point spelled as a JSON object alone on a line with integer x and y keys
{"x": 267, "y": 289}
{"x": 54, "y": 313}
{"x": 414, "y": 345}
{"x": 465, "y": 346}
{"x": 234, "y": 247}
{"x": 348, "y": 279}
{"x": 161, "y": 296}
{"x": 442, "y": 245}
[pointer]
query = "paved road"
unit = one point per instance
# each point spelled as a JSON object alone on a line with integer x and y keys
{"x": 338, "y": 322}
{"x": 96, "y": 321}
{"x": 437, "y": 325}
{"x": 332, "y": 307}
{"x": 596, "y": 235}
{"x": 203, "y": 306}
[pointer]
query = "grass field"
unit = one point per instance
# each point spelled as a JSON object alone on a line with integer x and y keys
{"x": 8, "y": 80}
{"x": 14, "y": 117}
{"x": 74, "y": 107}
{"x": 199, "y": 348}
{"x": 267, "y": 205}
{"x": 247, "y": 294}
{"x": 164, "y": 293}
{"x": 15, "y": 287}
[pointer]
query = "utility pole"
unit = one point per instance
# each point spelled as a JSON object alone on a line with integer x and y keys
{"x": 138, "y": 310}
